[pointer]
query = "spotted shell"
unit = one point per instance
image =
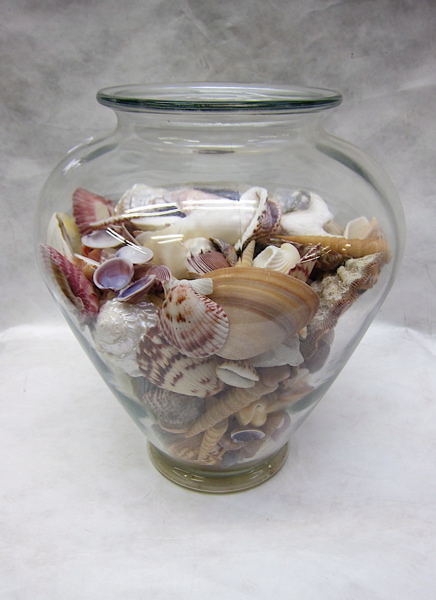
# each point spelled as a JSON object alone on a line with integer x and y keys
{"x": 194, "y": 324}
{"x": 166, "y": 367}
{"x": 263, "y": 307}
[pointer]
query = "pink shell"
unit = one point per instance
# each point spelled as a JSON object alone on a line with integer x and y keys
{"x": 192, "y": 323}
{"x": 89, "y": 208}
{"x": 71, "y": 281}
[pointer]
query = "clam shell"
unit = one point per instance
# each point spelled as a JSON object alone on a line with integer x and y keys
{"x": 101, "y": 238}
{"x": 137, "y": 255}
{"x": 191, "y": 322}
{"x": 263, "y": 307}
{"x": 136, "y": 291}
{"x": 113, "y": 274}
{"x": 166, "y": 367}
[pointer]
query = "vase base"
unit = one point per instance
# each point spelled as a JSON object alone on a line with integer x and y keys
{"x": 211, "y": 481}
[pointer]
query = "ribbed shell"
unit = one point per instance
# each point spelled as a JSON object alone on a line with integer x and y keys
{"x": 194, "y": 324}
{"x": 166, "y": 367}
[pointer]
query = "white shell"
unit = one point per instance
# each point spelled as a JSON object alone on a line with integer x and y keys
{"x": 63, "y": 235}
{"x": 281, "y": 259}
{"x": 237, "y": 373}
{"x": 137, "y": 255}
{"x": 168, "y": 250}
{"x": 118, "y": 330}
{"x": 309, "y": 221}
{"x": 198, "y": 245}
{"x": 360, "y": 228}
{"x": 287, "y": 353}
{"x": 100, "y": 238}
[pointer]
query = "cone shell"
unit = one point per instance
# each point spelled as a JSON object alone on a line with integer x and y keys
{"x": 166, "y": 367}
{"x": 263, "y": 307}
{"x": 191, "y": 322}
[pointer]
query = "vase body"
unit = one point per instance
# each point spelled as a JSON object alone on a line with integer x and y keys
{"x": 219, "y": 256}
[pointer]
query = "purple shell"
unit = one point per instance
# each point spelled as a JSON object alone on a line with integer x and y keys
{"x": 136, "y": 291}
{"x": 114, "y": 274}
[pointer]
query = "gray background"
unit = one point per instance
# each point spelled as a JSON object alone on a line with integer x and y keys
{"x": 56, "y": 54}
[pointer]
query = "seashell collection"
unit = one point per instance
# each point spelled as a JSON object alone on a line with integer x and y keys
{"x": 219, "y": 305}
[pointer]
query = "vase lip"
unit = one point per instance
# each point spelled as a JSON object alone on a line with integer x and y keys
{"x": 218, "y": 97}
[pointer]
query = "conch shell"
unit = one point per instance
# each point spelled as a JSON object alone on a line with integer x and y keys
{"x": 263, "y": 307}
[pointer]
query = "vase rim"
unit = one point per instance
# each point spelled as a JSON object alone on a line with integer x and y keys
{"x": 218, "y": 97}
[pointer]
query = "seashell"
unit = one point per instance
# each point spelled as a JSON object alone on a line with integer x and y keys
{"x": 118, "y": 330}
{"x": 88, "y": 208}
{"x": 297, "y": 200}
{"x": 113, "y": 274}
{"x": 336, "y": 293}
{"x": 136, "y": 291}
{"x": 287, "y": 353}
{"x": 202, "y": 286}
{"x": 70, "y": 280}
{"x": 265, "y": 219}
{"x": 168, "y": 250}
{"x": 361, "y": 228}
{"x": 281, "y": 259}
{"x": 227, "y": 249}
{"x": 247, "y": 435}
{"x": 186, "y": 449}
{"x": 137, "y": 255}
{"x": 194, "y": 324}
{"x": 86, "y": 265}
{"x": 63, "y": 235}
{"x": 264, "y": 308}
{"x": 246, "y": 259}
{"x": 272, "y": 376}
{"x": 237, "y": 373}
{"x": 309, "y": 220}
{"x": 211, "y": 438}
{"x": 254, "y": 414}
{"x": 354, "y": 248}
{"x": 231, "y": 402}
{"x": 199, "y": 245}
{"x": 206, "y": 262}
{"x": 304, "y": 267}
{"x": 173, "y": 409}
{"x": 100, "y": 238}
{"x": 166, "y": 367}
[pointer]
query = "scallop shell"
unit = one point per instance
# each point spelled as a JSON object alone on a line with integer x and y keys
{"x": 166, "y": 367}
{"x": 263, "y": 307}
{"x": 205, "y": 262}
{"x": 71, "y": 281}
{"x": 238, "y": 373}
{"x": 88, "y": 208}
{"x": 118, "y": 330}
{"x": 281, "y": 259}
{"x": 191, "y": 322}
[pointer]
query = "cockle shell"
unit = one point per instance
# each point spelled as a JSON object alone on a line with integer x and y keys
{"x": 88, "y": 208}
{"x": 336, "y": 293}
{"x": 166, "y": 367}
{"x": 281, "y": 259}
{"x": 191, "y": 322}
{"x": 70, "y": 281}
{"x": 206, "y": 262}
{"x": 118, "y": 330}
{"x": 263, "y": 307}
{"x": 238, "y": 373}
{"x": 309, "y": 220}
{"x": 173, "y": 409}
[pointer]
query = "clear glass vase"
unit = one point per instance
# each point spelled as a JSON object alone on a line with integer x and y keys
{"x": 219, "y": 256}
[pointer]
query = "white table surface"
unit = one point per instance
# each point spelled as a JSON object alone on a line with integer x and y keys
{"x": 86, "y": 516}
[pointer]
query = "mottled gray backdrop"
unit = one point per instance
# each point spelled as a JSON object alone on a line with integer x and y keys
{"x": 57, "y": 53}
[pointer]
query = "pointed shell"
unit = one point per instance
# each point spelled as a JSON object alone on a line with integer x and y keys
{"x": 163, "y": 365}
{"x": 191, "y": 322}
{"x": 263, "y": 307}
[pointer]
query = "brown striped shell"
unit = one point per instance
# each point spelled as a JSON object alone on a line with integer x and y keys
{"x": 263, "y": 307}
{"x": 166, "y": 367}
